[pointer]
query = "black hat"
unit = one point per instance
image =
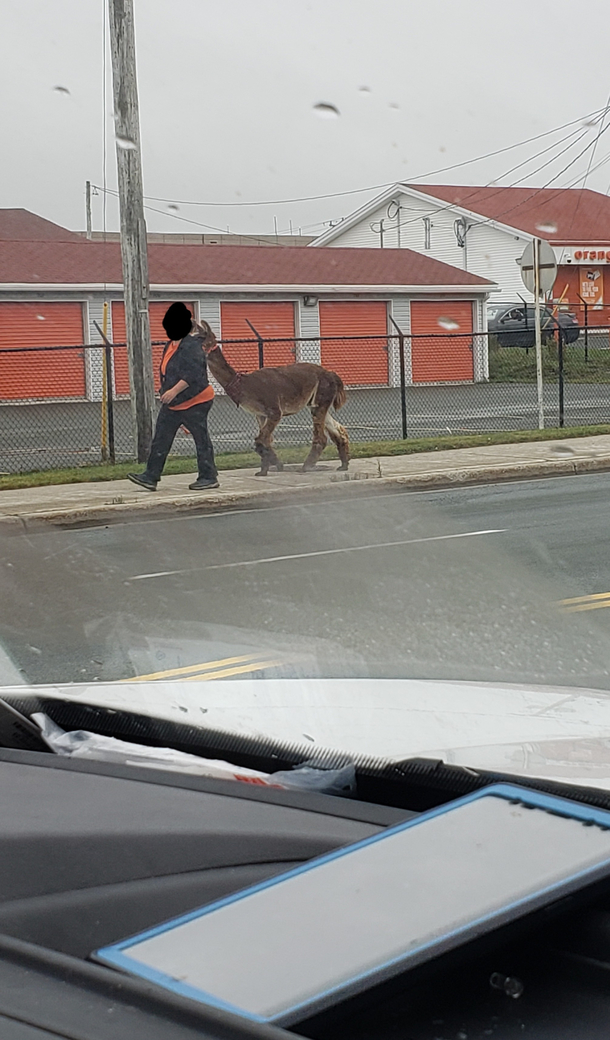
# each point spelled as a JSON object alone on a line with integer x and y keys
{"x": 177, "y": 321}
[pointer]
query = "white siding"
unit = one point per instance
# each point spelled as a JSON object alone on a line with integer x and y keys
{"x": 400, "y": 309}
{"x": 443, "y": 243}
{"x": 94, "y": 312}
{"x": 480, "y": 343}
{"x": 209, "y": 310}
{"x": 308, "y": 325}
{"x": 492, "y": 254}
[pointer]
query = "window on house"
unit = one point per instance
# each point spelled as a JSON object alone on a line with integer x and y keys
{"x": 427, "y": 228}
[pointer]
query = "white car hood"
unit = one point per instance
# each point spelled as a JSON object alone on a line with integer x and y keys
{"x": 553, "y": 732}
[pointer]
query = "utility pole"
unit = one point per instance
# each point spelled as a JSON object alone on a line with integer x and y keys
{"x": 88, "y": 207}
{"x": 133, "y": 225}
{"x": 538, "y": 333}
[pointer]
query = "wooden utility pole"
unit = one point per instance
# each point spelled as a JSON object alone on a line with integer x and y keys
{"x": 133, "y": 224}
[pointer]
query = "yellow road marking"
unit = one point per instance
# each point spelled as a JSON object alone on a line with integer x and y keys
{"x": 206, "y": 666}
{"x": 596, "y": 601}
{"x": 224, "y": 673}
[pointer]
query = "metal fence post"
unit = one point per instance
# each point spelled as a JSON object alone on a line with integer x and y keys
{"x": 586, "y": 310}
{"x": 108, "y": 393}
{"x": 560, "y": 369}
{"x": 109, "y": 402}
{"x": 403, "y": 380}
{"x": 261, "y": 345}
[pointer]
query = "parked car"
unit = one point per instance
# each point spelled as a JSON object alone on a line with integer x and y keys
{"x": 514, "y": 324}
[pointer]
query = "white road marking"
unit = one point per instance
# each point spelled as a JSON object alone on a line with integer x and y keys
{"x": 319, "y": 552}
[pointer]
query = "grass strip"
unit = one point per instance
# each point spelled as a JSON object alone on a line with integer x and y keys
{"x": 249, "y": 460}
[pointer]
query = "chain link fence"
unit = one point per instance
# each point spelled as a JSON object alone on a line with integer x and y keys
{"x": 70, "y": 406}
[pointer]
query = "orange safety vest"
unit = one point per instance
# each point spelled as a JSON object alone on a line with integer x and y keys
{"x": 205, "y": 395}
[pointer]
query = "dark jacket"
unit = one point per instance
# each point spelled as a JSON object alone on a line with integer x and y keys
{"x": 188, "y": 363}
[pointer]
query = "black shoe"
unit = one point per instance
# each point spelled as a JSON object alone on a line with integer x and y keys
{"x": 201, "y": 484}
{"x": 142, "y": 481}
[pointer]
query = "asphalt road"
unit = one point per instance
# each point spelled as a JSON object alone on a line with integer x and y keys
{"x": 461, "y": 584}
{"x": 42, "y": 436}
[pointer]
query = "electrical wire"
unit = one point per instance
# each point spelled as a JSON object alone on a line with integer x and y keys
{"x": 208, "y": 227}
{"x": 591, "y": 157}
{"x": 387, "y": 184}
{"x": 581, "y": 133}
{"x": 549, "y": 182}
{"x": 473, "y": 194}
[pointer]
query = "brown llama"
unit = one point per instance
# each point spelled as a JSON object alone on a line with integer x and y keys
{"x": 270, "y": 393}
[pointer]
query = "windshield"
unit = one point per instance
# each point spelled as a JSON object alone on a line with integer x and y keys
{"x": 254, "y": 429}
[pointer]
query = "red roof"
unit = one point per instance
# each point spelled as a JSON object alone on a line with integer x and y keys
{"x": 578, "y": 214}
{"x": 84, "y": 262}
{"x": 19, "y": 225}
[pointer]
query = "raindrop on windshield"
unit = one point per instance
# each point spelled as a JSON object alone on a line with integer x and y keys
{"x": 547, "y": 228}
{"x": 126, "y": 143}
{"x": 326, "y": 111}
{"x": 61, "y": 90}
{"x": 448, "y": 323}
{"x": 513, "y": 987}
{"x": 509, "y": 984}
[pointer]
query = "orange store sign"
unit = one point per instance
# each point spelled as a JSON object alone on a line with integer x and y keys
{"x": 592, "y": 287}
{"x": 592, "y": 254}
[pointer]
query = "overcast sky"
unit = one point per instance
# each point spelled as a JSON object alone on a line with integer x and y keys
{"x": 228, "y": 89}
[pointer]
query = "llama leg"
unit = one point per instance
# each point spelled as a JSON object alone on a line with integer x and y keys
{"x": 339, "y": 437}
{"x": 263, "y": 444}
{"x": 319, "y": 436}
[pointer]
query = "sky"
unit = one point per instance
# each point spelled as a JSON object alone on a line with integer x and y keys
{"x": 228, "y": 90}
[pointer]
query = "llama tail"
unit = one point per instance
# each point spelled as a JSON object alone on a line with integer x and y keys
{"x": 340, "y": 393}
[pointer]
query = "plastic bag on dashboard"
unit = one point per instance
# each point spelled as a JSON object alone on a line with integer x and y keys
{"x": 82, "y": 743}
{"x": 311, "y": 777}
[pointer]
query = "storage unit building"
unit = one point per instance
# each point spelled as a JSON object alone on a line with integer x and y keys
{"x": 335, "y": 307}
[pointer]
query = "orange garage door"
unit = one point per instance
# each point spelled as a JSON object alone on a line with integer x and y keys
{"x": 274, "y": 321}
{"x": 447, "y": 359}
{"x": 156, "y": 311}
{"x": 359, "y": 362}
{"x": 52, "y": 373}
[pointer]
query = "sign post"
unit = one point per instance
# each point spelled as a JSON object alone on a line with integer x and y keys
{"x": 538, "y": 271}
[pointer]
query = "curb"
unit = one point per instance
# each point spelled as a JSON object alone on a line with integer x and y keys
{"x": 71, "y": 516}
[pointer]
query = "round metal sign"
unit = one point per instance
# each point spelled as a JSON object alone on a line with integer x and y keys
{"x": 547, "y": 266}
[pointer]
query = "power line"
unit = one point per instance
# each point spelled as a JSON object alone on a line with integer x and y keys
{"x": 591, "y": 157}
{"x": 549, "y": 182}
{"x": 473, "y": 194}
{"x": 387, "y": 184}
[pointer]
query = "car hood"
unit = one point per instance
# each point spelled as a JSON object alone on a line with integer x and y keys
{"x": 548, "y": 732}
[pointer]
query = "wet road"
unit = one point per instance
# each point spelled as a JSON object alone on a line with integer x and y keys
{"x": 462, "y": 584}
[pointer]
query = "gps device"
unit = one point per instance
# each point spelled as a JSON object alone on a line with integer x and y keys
{"x": 300, "y": 942}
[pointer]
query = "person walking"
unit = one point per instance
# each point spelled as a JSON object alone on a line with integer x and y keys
{"x": 186, "y": 399}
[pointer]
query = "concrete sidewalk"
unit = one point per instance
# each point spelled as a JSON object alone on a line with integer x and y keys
{"x": 114, "y": 500}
